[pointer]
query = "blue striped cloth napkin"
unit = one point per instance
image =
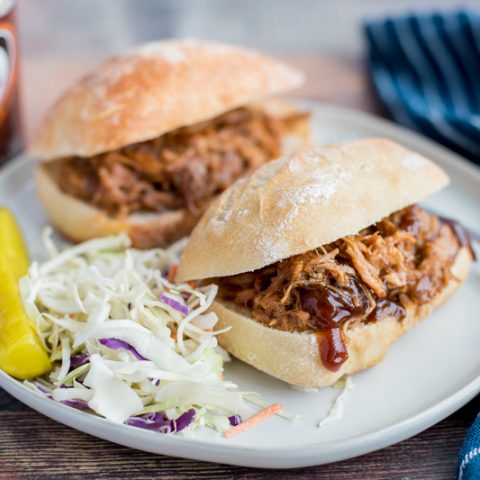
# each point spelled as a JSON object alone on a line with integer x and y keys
{"x": 469, "y": 457}
{"x": 426, "y": 71}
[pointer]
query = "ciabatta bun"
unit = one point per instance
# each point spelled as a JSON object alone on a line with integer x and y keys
{"x": 295, "y": 358}
{"x": 296, "y": 204}
{"x": 156, "y": 88}
{"x": 80, "y": 221}
{"x": 305, "y": 200}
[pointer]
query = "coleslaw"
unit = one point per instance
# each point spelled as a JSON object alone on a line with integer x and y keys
{"x": 126, "y": 342}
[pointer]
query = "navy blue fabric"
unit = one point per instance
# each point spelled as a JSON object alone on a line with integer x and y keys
{"x": 469, "y": 457}
{"x": 426, "y": 70}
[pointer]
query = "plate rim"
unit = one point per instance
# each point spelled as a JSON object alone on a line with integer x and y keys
{"x": 263, "y": 456}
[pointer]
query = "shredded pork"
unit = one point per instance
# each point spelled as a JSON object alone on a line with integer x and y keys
{"x": 183, "y": 168}
{"x": 405, "y": 259}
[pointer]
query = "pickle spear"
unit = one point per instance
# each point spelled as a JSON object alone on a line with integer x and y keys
{"x": 21, "y": 352}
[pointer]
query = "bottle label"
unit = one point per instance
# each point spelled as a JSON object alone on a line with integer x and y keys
{"x": 7, "y": 68}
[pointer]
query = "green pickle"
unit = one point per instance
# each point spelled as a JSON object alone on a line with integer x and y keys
{"x": 21, "y": 352}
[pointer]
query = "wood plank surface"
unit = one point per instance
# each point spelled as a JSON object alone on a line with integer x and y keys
{"x": 35, "y": 447}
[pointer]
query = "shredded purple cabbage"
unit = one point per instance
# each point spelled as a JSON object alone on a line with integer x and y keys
{"x": 151, "y": 421}
{"x": 184, "y": 420}
{"x": 116, "y": 344}
{"x": 42, "y": 390}
{"x": 156, "y": 421}
{"x": 78, "y": 360}
{"x": 175, "y": 304}
{"x": 153, "y": 417}
{"x": 235, "y": 420}
{"x": 78, "y": 404}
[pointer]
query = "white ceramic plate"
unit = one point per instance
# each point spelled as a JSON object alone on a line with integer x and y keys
{"x": 429, "y": 373}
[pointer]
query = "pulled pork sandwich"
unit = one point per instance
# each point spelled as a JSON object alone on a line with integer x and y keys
{"x": 324, "y": 258}
{"x": 144, "y": 143}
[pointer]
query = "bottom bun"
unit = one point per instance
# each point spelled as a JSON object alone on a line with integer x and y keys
{"x": 294, "y": 357}
{"x": 80, "y": 221}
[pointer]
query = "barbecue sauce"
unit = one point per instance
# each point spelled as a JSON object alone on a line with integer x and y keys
{"x": 411, "y": 224}
{"x": 333, "y": 351}
{"x": 462, "y": 235}
{"x": 331, "y": 308}
{"x": 387, "y": 308}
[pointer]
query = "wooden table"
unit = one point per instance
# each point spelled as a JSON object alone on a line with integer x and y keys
{"x": 35, "y": 447}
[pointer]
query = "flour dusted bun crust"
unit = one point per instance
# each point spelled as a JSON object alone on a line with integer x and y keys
{"x": 306, "y": 200}
{"x": 156, "y": 88}
{"x": 297, "y": 204}
{"x": 78, "y": 220}
{"x": 139, "y": 96}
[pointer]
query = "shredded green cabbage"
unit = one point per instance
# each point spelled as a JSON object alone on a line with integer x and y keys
{"x": 101, "y": 302}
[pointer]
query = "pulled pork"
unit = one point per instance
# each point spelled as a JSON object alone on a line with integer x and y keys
{"x": 401, "y": 261}
{"x": 183, "y": 168}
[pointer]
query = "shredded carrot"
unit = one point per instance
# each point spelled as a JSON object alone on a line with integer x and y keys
{"x": 259, "y": 417}
{"x": 171, "y": 273}
{"x": 192, "y": 283}
{"x": 222, "y": 377}
{"x": 174, "y": 335}
{"x": 210, "y": 329}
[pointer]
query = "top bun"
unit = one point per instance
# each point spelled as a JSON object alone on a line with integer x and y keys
{"x": 153, "y": 89}
{"x": 308, "y": 199}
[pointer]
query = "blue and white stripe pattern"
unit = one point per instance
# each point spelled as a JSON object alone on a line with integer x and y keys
{"x": 426, "y": 70}
{"x": 469, "y": 458}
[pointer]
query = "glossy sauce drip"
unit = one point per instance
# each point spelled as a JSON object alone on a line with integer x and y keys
{"x": 387, "y": 308}
{"x": 328, "y": 308}
{"x": 333, "y": 351}
{"x": 331, "y": 308}
{"x": 462, "y": 235}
